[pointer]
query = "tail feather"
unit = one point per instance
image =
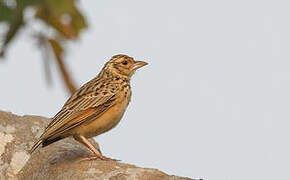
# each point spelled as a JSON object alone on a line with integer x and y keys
{"x": 47, "y": 142}
{"x": 35, "y": 146}
{"x": 44, "y": 142}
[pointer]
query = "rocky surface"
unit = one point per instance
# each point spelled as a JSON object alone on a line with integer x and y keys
{"x": 60, "y": 160}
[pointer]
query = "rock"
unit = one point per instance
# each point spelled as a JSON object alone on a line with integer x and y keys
{"x": 60, "y": 160}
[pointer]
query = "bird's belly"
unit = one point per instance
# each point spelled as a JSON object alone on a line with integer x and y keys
{"x": 102, "y": 124}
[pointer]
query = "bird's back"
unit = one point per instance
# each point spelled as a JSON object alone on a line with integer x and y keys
{"x": 82, "y": 111}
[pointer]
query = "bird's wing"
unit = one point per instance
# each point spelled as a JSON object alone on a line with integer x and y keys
{"x": 80, "y": 109}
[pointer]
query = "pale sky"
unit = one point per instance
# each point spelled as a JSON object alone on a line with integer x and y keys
{"x": 213, "y": 103}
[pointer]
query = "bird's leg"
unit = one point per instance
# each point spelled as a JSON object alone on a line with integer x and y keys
{"x": 96, "y": 154}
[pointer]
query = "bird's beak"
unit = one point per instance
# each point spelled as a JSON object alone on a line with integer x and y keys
{"x": 138, "y": 64}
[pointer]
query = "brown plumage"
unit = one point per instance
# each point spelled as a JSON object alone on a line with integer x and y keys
{"x": 96, "y": 107}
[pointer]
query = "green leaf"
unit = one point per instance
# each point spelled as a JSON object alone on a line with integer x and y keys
{"x": 25, "y": 3}
{"x": 63, "y": 16}
{"x": 15, "y": 22}
{"x": 6, "y": 14}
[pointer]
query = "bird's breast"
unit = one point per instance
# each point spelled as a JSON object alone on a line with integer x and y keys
{"x": 109, "y": 119}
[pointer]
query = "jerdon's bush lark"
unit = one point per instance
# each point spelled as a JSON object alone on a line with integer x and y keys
{"x": 95, "y": 108}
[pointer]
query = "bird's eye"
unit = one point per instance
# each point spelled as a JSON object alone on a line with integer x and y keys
{"x": 124, "y": 62}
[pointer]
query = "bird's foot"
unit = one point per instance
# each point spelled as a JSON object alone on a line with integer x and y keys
{"x": 97, "y": 156}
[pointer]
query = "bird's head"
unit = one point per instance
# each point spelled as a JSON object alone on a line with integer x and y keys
{"x": 123, "y": 65}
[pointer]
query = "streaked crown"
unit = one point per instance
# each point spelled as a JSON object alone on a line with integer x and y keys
{"x": 123, "y": 65}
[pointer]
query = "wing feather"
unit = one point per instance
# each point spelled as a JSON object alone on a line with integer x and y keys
{"x": 83, "y": 113}
{"x": 85, "y": 104}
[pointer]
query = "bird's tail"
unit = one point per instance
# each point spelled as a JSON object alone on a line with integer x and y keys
{"x": 44, "y": 142}
{"x": 35, "y": 146}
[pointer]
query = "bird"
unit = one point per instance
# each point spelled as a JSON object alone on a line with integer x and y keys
{"x": 95, "y": 108}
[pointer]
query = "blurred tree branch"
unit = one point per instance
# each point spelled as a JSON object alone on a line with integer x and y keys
{"x": 58, "y": 51}
{"x": 62, "y": 18}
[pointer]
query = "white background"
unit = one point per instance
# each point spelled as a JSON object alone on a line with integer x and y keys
{"x": 214, "y": 101}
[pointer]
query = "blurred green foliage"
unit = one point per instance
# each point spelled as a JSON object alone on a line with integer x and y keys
{"x": 63, "y": 19}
